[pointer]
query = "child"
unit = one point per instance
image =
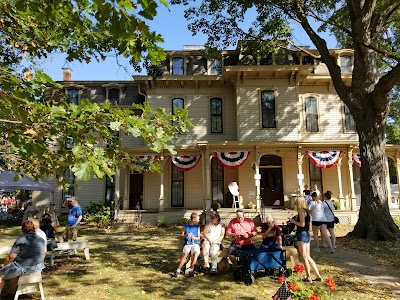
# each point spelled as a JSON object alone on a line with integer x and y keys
{"x": 191, "y": 234}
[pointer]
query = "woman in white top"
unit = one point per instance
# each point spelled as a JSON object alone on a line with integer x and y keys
{"x": 330, "y": 217}
{"x": 317, "y": 211}
{"x": 213, "y": 235}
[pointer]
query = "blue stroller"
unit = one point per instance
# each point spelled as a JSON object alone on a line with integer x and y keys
{"x": 251, "y": 261}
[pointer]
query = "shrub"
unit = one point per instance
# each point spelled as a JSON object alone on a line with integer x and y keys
{"x": 163, "y": 223}
{"x": 216, "y": 205}
{"x": 100, "y": 214}
{"x": 182, "y": 221}
{"x": 336, "y": 204}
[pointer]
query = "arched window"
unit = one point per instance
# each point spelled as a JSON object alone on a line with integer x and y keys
{"x": 268, "y": 109}
{"x": 216, "y": 115}
{"x": 311, "y": 114}
{"x": 178, "y": 66}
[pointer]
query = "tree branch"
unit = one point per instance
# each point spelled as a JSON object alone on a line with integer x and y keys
{"x": 388, "y": 81}
{"x": 380, "y": 17}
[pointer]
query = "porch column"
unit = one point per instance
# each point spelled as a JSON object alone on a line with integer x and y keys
{"x": 125, "y": 201}
{"x": 257, "y": 178}
{"x": 353, "y": 204}
{"x": 388, "y": 183}
{"x": 161, "y": 198}
{"x": 343, "y": 202}
{"x": 300, "y": 175}
{"x": 398, "y": 171}
{"x": 207, "y": 164}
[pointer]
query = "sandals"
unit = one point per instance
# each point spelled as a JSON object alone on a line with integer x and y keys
{"x": 305, "y": 279}
{"x": 318, "y": 279}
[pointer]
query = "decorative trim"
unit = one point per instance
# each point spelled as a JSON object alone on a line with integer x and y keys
{"x": 325, "y": 159}
{"x": 185, "y": 162}
{"x": 357, "y": 159}
{"x": 232, "y": 159}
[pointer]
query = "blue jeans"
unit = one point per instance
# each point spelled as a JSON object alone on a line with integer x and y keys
{"x": 14, "y": 269}
{"x": 303, "y": 237}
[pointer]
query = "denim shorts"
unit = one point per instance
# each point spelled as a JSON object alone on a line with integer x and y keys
{"x": 303, "y": 237}
{"x": 14, "y": 269}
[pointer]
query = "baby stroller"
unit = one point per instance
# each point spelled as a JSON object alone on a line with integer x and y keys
{"x": 288, "y": 237}
{"x": 251, "y": 261}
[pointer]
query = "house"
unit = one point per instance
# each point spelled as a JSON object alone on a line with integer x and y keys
{"x": 270, "y": 122}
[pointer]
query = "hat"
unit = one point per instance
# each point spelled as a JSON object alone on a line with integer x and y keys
{"x": 73, "y": 198}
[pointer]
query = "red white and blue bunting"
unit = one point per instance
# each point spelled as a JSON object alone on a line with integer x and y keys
{"x": 185, "y": 162}
{"x": 357, "y": 159}
{"x": 232, "y": 159}
{"x": 325, "y": 159}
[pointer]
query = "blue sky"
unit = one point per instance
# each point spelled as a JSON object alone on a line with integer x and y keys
{"x": 170, "y": 24}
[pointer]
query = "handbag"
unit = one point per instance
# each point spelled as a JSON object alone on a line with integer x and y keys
{"x": 335, "y": 219}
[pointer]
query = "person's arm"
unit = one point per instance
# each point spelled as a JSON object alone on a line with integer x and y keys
{"x": 221, "y": 236}
{"x": 77, "y": 221}
{"x": 302, "y": 218}
{"x": 10, "y": 258}
{"x": 230, "y": 232}
{"x": 265, "y": 234}
{"x": 183, "y": 232}
{"x": 197, "y": 238}
{"x": 54, "y": 225}
{"x": 205, "y": 233}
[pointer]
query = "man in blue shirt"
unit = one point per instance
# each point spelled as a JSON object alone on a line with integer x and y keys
{"x": 74, "y": 219}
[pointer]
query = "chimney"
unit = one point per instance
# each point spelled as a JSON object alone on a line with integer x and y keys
{"x": 67, "y": 74}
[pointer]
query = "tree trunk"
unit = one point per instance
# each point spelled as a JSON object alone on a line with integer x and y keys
{"x": 375, "y": 221}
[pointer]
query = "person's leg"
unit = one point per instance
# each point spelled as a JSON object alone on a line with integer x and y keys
{"x": 2, "y": 282}
{"x": 214, "y": 257}
{"x": 333, "y": 237}
{"x": 13, "y": 285}
{"x": 315, "y": 235}
{"x": 232, "y": 254}
{"x": 325, "y": 237}
{"x": 66, "y": 233}
{"x": 75, "y": 233}
{"x": 311, "y": 261}
{"x": 301, "y": 247}
{"x": 205, "y": 251}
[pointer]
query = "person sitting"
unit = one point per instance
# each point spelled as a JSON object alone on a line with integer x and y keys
{"x": 26, "y": 256}
{"x": 241, "y": 230}
{"x": 213, "y": 234}
{"x": 191, "y": 235}
{"x": 49, "y": 228}
{"x": 271, "y": 234}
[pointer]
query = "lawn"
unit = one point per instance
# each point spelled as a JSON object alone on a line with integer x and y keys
{"x": 131, "y": 263}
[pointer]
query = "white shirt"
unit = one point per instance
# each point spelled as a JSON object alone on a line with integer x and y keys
{"x": 317, "y": 211}
{"x": 214, "y": 231}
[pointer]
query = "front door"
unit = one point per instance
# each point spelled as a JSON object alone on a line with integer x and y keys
{"x": 271, "y": 186}
{"x": 136, "y": 191}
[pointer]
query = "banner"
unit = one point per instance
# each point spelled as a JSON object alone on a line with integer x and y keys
{"x": 232, "y": 159}
{"x": 325, "y": 159}
{"x": 357, "y": 159}
{"x": 185, "y": 162}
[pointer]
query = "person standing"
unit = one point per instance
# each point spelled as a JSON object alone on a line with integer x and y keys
{"x": 74, "y": 219}
{"x": 302, "y": 221}
{"x": 26, "y": 256}
{"x": 330, "y": 217}
{"x": 241, "y": 230}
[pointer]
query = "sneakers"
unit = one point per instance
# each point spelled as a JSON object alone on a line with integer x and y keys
{"x": 316, "y": 250}
{"x": 191, "y": 274}
{"x": 332, "y": 250}
{"x": 206, "y": 265}
{"x": 213, "y": 271}
{"x": 175, "y": 274}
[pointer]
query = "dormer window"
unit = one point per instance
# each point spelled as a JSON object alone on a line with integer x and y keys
{"x": 307, "y": 60}
{"x": 114, "y": 95}
{"x": 74, "y": 96}
{"x": 178, "y": 66}
{"x": 216, "y": 67}
{"x": 346, "y": 63}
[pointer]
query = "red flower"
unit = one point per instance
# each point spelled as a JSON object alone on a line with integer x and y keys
{"x": 281, "y": 279}
{"x": 331, "y": 284}
{"x": 298, "y": 268}
{"x": 293, "y": 287}
{"x": 314, "y": 297}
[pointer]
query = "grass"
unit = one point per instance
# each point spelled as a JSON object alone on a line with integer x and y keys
{"x": 133, "y": 263}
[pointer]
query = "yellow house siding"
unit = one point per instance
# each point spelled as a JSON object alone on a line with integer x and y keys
{"x": 92, "y": 190}
{"x": 194, "y": 197}
{"x": 247, "y": 186}
{"x": 128, "y": 141}
{"x": 290, "y": 171}
{"x": 151, "y": 190}
{"x": 249, "y": 112}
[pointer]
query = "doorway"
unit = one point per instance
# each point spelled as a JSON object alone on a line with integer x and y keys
{"x": 271, "y": 183}
{"x": 136, "y": 191}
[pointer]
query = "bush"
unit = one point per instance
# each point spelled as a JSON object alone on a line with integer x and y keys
{"x": 182, "y": 221}
{"x": 100, "y": 214}
{"x": 163, "y": 223}
{"x": 216, "y": 205}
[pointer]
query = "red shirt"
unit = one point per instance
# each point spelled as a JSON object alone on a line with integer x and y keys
{"x": 247, "y": 226}
{"x": 273, "y": 234}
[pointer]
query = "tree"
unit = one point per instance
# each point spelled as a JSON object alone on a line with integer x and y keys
{"x": 371, "y": 28}
{"x": 41, "y": 131}
{"x": 393, "y": 128}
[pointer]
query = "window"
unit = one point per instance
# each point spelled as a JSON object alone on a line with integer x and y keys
{"x": 178, "y": 66}
{"x": 307, "y": 60}
{"x": 113, "y": 95}
{"x": 177, "y": 103}
{"x": 315, "y": 176}
{"x": 349, "y": 124}
{"x": 216, "y": 67}
{"x": 217, "y": 178}
{"x": 110, "y": 189}
{"x": 216, "y": 115}
{"x": 70, "y": 179}
{"x": 311, "y": 114}
{"x": 346, "y": 64}
{"x": 74, "y": 96}
{"x": 177, "y": 184}
{"x": 268, "y": 109}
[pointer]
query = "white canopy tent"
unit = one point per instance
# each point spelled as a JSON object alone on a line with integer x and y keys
{"x": 24, "y": 182}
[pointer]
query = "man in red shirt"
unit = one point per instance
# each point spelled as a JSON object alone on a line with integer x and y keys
{"x": 271, "y": 234}
{"x": 241, "y": 230}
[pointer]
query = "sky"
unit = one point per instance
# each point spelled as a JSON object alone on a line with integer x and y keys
{"x": 172, "y": 25}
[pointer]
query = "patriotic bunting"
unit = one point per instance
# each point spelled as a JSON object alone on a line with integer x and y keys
{"x": 325, "y": 159}
{"x": 357, "y": 159}
{"x": 185, "y": 162}
{"x": 232, "y": 159}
